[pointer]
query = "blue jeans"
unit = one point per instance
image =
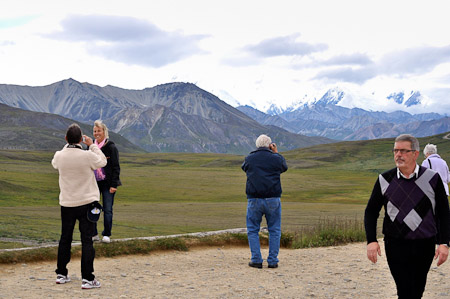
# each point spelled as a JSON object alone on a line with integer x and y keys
{"x": 107, "y": 201}
{"x": 271, "y": 208}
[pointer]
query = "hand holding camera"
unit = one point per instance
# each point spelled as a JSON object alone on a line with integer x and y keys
{"x": 87, "y": 140}
{"x": 273, "y": 147}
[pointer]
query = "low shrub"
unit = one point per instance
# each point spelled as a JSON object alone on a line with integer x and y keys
{"x": 330, "y": 233}
{"x": 325, "y": 233}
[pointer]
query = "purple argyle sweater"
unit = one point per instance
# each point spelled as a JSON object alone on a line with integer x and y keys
{"x": 415, "y": 208}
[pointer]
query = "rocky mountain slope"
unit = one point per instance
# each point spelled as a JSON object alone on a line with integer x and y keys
{"x": 173, "y": 117}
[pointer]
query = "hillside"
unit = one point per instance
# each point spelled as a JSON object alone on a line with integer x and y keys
{"x": 172, "y": 193}
{"x": 26, "y": 130}
{"x": 360, "y": 156}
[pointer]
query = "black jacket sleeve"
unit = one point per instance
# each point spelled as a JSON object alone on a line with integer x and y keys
{"x": 372, "y": 213}
{"x": 115, "y": 167}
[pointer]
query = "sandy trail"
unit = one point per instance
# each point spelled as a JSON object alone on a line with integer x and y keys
{"x": 329, "y": 272}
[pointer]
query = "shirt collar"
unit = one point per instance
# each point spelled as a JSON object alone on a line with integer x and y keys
{"x": 414, "y": 174}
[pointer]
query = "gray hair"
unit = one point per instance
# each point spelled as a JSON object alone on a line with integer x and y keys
{"x": 263, "y": 141}
{"x": 411, "y": 139}
{"x": 430, "y": 149}
{"x": 100, "y": 124}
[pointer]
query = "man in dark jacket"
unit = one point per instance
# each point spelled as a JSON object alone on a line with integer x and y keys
{"x": 263, "y": 167}
{"x": 416, "y": 221}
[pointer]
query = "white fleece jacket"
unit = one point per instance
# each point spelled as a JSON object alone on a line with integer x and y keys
{"x": 77, "y": 182}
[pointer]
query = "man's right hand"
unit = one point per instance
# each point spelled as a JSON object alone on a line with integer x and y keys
{"x": 273, "y": 147}
{"x": 87, "y": 140}
{"x": 372, "y": 250}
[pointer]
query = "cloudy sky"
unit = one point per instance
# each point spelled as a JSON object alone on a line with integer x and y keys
{"x": 246, "y": 51}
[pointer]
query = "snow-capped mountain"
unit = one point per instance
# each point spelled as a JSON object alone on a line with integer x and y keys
{"x": 331, "y": 97}
{"x": 414, "y": 98}
{"x": 275, "y": 110}
{"x": 397, "y": 97}
{"x": 412, "y": 101}
{"x": 335, "y": 115}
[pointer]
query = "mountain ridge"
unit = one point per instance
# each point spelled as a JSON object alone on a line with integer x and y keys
{"x": 168, "y": 117}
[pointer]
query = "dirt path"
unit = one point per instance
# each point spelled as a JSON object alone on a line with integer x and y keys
{"x": 331, "y": 272}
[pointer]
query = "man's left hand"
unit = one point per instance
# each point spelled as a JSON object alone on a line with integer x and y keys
{"x": 112, "y": 190}
{"x": 442, "y": 254}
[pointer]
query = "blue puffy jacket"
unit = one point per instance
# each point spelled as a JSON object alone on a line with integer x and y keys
{"x": 263, "y": 168}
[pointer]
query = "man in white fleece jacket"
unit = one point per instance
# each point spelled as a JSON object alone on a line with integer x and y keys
{"x": 78, "y": 189}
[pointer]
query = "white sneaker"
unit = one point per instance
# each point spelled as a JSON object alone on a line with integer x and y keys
{"x": 86, "y": 284}
{"x": 96, "y": 238}
{"x": 60, "y": 279}
{"x": 106, "y": 239}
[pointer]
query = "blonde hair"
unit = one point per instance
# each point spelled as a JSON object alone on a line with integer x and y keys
{"x": 100, "y": 124}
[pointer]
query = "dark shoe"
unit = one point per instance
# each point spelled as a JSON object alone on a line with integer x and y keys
{"x": 255, "y": 265}
{"x": 273, "y": 265}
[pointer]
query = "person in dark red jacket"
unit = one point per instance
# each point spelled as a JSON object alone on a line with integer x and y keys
{"x": 108, "y": 178}
{"x": 263, "y": 168}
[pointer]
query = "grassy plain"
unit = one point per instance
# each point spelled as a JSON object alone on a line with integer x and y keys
{"x": 174, "y": 193}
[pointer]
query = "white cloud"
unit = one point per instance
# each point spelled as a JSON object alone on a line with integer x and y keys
{"x": 260, "y": 51}
{"x": 284, "y": 46}
{"x": 414, "y": 60}
{"x": 128, "y": 40}
{"x": 344, "y": 59}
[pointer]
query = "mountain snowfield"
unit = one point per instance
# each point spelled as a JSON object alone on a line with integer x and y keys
{"x": 338, "y": 114}
{"x": 411, "y": 101}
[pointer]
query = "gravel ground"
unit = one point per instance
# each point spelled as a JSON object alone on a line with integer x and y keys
{"x": 329, "y": 272}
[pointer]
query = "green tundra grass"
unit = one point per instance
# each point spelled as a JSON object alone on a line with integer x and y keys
{"x": 176, "y": 193}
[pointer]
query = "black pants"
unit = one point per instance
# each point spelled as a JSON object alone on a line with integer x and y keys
{"x": 409, "y": 262}
{"x": 68, "y": 218}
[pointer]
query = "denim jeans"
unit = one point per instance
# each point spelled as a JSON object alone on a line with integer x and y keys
{"x": 107, "y": 201}
{"x": 271, "y": 208}
{"x": 69, "y": 216}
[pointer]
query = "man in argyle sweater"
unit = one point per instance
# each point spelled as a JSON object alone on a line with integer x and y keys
{"x": 416, "y": 224}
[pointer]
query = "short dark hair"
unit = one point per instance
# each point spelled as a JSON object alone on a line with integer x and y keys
{"x": 73, "y": 134}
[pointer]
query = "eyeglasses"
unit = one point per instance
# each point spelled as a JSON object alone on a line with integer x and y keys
{"x": 402, "y": 151}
